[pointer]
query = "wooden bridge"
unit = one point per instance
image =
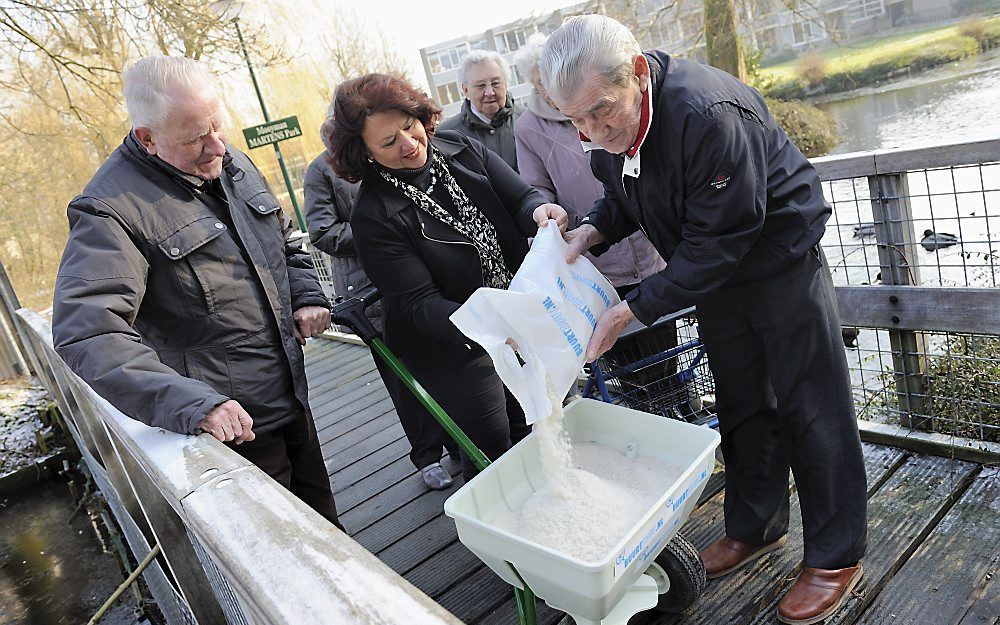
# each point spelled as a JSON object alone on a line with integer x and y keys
{"x": 227, "y": 545}
{"x": 934, "y": 537}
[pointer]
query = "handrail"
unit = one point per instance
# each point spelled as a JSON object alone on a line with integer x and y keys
{"x": 901, "y": 160}
{"x": 282, "y": 561}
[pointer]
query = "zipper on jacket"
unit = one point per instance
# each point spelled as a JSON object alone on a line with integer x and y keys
{"x": 482, "y": 270}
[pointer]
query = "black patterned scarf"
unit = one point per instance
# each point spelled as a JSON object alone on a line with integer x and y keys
{"x": 470, "y": 223}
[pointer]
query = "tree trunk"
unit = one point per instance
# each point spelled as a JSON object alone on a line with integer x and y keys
{"x": 722, "y": 40}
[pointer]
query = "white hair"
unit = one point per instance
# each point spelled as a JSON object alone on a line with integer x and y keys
{"x": 527, "y": 57}
{"x": 586, "y": 44}
{"x": 475, "y": 57}
{"x": 150, "y": 81}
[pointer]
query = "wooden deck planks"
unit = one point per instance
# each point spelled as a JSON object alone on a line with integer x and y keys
{"x": 379, "y": 501}
{"x": 741, "y": 594}
{"x": 927, "y": 523}
{"x": 420, "y": 546}
{"x": 948, "y": 577}
{"x": 343, "y": 476}
{"x": 480, "y": 592}
{"x": 447, "y": 568}
{"x": 901, "y": 514}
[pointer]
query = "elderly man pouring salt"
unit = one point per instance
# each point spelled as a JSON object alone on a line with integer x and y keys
{"x": 693, "y": 158}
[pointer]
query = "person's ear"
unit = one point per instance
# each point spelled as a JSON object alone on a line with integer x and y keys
{"x": 640, "y": 66}
{"x": 145, "y": 138}
{"x": 465, "y": 89}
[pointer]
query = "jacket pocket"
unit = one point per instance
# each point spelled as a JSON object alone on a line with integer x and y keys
{"x": 263, "y": 203}
{"x": 197, "y": 276}
{"x": 210, "y": 366}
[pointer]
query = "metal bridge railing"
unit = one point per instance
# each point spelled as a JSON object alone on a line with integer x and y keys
{"x": 236, "y": 547}
{"x": 914, "y": 247}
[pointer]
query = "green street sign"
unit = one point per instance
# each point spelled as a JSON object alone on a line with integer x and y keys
{"x": 272, "y": 132}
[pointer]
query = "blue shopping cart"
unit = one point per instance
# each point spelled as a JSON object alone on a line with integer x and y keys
{"x": 661, "y": 369}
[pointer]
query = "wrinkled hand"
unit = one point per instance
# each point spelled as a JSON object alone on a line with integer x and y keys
{"x": 609, "y": 328}
{"x": 545, "y": 212}
{"x": 310, "y": 321}
{"x": 580, "y": 240}
{"x": 228, "y": 422}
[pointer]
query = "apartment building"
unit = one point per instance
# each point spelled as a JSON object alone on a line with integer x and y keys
{"x": 779, "y": 28}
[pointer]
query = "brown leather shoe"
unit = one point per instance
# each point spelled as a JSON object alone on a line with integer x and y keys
{"x": 726, "y": 555}
{"x": 817, "y": 594}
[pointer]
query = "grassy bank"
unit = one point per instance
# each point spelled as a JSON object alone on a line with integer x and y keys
{"x": 870, "y": 62}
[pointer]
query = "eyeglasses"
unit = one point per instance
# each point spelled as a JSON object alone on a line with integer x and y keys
{"x": 481, "y": 86}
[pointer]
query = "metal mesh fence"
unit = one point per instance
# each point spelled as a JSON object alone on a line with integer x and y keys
{"x": 662, "y": 369}
{"x": 954, "y": 218}
{"x": 959, "y": 392}
{"x": 324, "y": 271}
{"x": 944, "y": 233}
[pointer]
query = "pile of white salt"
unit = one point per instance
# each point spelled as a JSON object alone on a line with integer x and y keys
{"x": 593, "y": 496}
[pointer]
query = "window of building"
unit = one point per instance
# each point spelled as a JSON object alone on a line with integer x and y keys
{"x": 448, "y": 94}
{"x": 865, "y": 9}
{"x": 806, "y": 32}
{"x": 445, "y": 60}
{"x": 767, "y": 40}
{"x": 515, "y": 76}
{"x": 511, "y": 40}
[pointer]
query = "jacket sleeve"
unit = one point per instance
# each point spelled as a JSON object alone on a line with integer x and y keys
{"x": 329, "y": 228}
{"x": 725, "y": 207}
{"x": 608, "y": 216}
{"x": 303, "y": 284}
{"x": 531, "y": 165}
{"x": 397, "y": 270}
{"x": 101, "y": 282}
{"x": 517, "y": 196}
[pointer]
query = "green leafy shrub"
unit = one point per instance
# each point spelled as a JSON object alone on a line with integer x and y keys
{"x": 811, "y": 69}
{"x": 812, "y": 130}
{"x": 964, "y": 387}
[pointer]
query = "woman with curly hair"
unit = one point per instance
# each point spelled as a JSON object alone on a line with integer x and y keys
{"x": 437, "y": 217}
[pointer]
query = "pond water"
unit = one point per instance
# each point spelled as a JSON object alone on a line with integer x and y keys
{"x": 53, "y": 570}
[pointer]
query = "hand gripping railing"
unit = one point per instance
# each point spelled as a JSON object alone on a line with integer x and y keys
{"x": 236, "y": 546}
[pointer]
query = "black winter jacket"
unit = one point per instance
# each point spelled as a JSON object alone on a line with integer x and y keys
{"x": 157, "y": 307}
{"x": 723, "y": 195}
{"x": 329, "y": 203}
{"x": 425, "y": 269}
{"x": 498, "y": 135}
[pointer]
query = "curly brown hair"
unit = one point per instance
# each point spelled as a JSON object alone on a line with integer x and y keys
{"x": 359, "y": 98}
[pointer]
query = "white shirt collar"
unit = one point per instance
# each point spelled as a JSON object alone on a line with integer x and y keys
{"x": 632, "y": 166}
{"x": 476, "y": 112}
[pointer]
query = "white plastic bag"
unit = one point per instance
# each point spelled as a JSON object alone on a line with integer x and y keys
{"x": 550, "y": 311}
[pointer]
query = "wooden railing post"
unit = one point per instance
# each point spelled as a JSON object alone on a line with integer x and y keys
{"x": 13, "y": 355}
{"x": 897, "y": 251}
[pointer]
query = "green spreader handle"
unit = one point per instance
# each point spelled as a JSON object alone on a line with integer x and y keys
{"x": 351, "y": 313}
{"x": 478, "y": 457}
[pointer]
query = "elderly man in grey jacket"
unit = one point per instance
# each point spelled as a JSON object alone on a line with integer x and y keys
{"x": 489, "y": 112}
{"x": 180, "y": 298}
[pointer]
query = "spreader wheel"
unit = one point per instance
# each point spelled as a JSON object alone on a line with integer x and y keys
{"x": 679, "y": 571}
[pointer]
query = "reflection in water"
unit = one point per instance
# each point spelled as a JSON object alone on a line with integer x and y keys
{"x": 950, "y": 106}
{"x": 52, "y": 571}
{"x": 953, "y": 104}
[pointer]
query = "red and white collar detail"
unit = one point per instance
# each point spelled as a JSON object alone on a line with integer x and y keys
{"x": 631, "y": 167}
{"x": 645, "y": 121}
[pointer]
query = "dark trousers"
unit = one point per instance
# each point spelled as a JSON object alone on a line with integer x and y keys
{"x": 784, "y": 401}
{"x": 424, "y": 434}
{"x": 476, "y": 399}
{"x": 291, "y": 455}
